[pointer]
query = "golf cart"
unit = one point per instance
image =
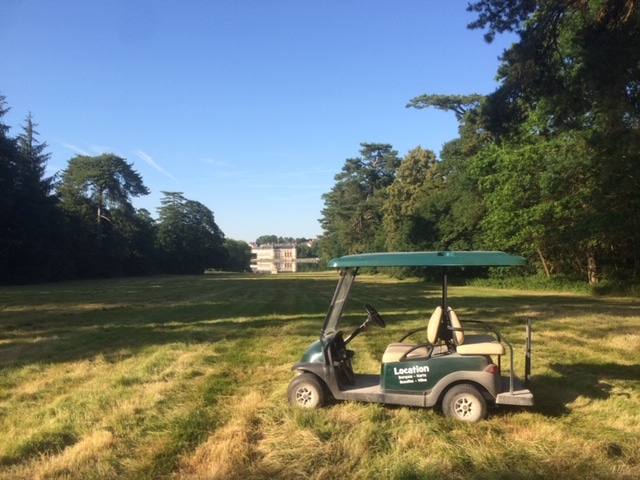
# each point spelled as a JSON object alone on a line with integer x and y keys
{"x": 459, "y": 365}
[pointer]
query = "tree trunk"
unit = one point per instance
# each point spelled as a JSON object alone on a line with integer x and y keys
{"x": 100, "y": 193}
{"x": 99, "y": 226}
{"x": 592, "y": 271}
{"x": 544, "y": 263}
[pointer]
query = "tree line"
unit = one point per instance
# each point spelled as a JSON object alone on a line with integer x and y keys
{"x": 81, "y": 223}
{"x": 547, "y": 166}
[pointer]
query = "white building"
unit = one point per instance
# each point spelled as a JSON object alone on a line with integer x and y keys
{"x": 273, "y": 258}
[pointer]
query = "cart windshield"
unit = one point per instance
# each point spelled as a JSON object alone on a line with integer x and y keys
{"x": 339, "y": 300}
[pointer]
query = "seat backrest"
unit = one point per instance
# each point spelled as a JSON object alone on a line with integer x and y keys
{"x": 434, "y": 325}
{"x": 458, "y": 334}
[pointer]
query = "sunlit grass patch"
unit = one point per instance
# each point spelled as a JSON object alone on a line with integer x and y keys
{"x": 186, "y": 378}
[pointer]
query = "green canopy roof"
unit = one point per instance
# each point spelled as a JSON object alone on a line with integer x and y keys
{"x": 427, "y": 259}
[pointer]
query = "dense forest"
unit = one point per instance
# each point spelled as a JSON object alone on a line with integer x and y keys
{"x": 547, "y": 166}
{"x": 80, "y": 223}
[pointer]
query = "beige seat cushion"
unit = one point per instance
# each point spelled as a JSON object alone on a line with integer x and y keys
{"x": 473, "y": 344}
{"x": 471, "y": 347}
{"x": 434, "y": 325}
{"x": 395, "y": 351}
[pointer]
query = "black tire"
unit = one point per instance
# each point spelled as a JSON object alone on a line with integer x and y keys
{"x": 464, "y": 402}
{"x": 307, "y": 391}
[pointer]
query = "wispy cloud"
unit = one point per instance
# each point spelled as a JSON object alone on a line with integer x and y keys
{"x": 147, "y": 158}
{"x": 75, "y": 148}
{"x": 90, "y": 151}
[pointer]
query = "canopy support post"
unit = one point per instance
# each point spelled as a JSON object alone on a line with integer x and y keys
{"x": 444, "y": 289}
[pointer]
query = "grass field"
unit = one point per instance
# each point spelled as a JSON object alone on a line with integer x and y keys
{"x": 186, "y": 378}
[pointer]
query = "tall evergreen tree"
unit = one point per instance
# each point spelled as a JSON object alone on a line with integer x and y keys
{"x": 8, "y": 175}
{"x": 352, "y": 217}
{"x": 107, "y": 181}
{"x": 29, "y": 219}
{"x": 189, "y": 240}
{"x": 96, "y": 193}
{"x": 34, "y": 157}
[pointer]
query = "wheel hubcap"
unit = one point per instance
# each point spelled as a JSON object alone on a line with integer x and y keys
{"x": 304, "y": 396}
{"x": 463, "y": 407}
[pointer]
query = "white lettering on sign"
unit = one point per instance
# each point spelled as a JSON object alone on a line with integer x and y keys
{"x": 413, "y": 374}
{"x": 410, "y": 370}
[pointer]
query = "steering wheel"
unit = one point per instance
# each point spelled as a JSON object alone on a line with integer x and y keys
{"x": 373, "y": 313}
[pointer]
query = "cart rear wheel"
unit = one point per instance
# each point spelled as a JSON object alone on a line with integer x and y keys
{"x": 464, "y": 402}
{"x": 306, "y": 390}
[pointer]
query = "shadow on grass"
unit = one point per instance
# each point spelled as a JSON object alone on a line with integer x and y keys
{"x": 72, "y": 321}
{"x": 63, "y": 342}
{"x": 588, "y": 380}
{"x": 79, "y": 320}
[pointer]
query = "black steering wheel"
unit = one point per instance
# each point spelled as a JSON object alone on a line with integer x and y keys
{"x": 373, "y": 313}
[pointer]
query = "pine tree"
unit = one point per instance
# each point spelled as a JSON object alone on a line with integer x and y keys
{"x": 27, "y": 208}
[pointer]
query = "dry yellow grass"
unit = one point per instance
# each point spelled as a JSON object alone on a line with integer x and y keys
{"x": 185, "y": 378}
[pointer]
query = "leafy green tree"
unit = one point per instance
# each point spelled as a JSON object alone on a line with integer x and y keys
{"x": 97, "y": 192}
{"x": 239, "y": 255}
{"x": 450, "y": 216}
{"x": 459, "y": 104}
{"x": 549, "y": 164}
{"x": 189, "y": 240}
{"x": 139, "y": 231}
{"x": 107, "y": 182}
{"x": 267, "y": 239}
{"x": 573, "y": 79}
{"x": 352, "y": 217}
{"x": 457, "y": 206}
{"x": 573, "y": 59}
{"x": 306, "y": 248}
{"x": 414, "y": 183}
{"x": 271, "y": 239}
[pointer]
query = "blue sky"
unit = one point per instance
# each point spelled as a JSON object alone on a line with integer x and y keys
{"x": 247, "y": 106}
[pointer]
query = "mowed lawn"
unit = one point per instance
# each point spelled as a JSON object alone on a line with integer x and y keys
{"x": 186, "y": 378}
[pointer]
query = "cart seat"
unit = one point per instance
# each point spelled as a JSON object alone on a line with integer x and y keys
{"x": 395, "y": 351}
{"x": 473, "y": 344}
{"x": 398, "y": 351}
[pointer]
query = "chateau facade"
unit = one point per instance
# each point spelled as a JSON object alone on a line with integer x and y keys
{"x": 273, "y": 258}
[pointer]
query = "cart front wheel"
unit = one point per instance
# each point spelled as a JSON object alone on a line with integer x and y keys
{"x": 306, "y": 390}
{"x": 464, "y": 402}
